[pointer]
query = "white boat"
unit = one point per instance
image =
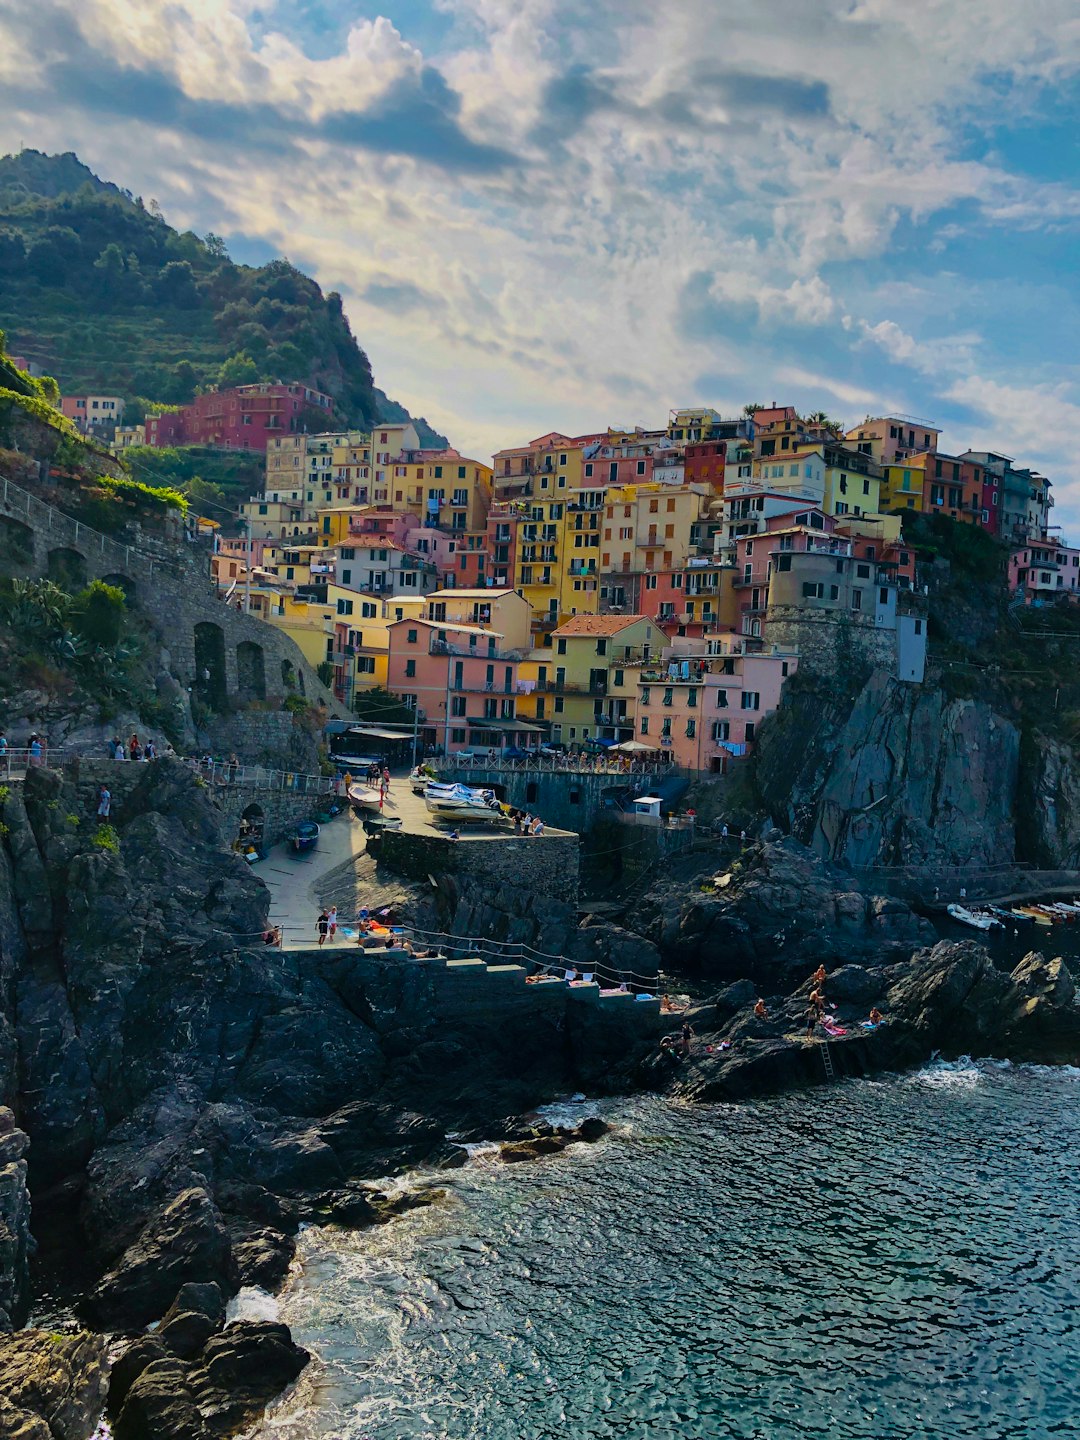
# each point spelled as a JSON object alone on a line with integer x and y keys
{"x": 363, "y": 797}
{"x": 462, "y": 802}
{"x": 975, "y": 918}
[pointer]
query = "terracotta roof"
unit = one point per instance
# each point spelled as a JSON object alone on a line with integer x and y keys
{"x": 597, "y": 624}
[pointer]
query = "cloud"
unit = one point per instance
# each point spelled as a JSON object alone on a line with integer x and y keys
{"x": 542, "y": 214}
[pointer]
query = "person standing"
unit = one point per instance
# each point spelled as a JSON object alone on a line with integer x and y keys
{"x": 322, "y": 925}
{"x": 36, "y": 752}
{"x": 104, "y": 804}
{"x": 5, "y": 762}
{"x": 134, "y": 748}
{"x": 331, "y": 922}
{"x": 150, "y": 753}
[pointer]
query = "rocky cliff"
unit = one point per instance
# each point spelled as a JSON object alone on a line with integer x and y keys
{"x": 896, "y": 774}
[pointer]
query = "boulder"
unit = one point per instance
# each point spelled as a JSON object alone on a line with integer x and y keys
{"x": 53, "y": 1386}
{"x": 243, "y": 1369}
{"x": 16, "y": 1243}
{"x": 185, "y": 1241}
{"x": 130, "y": 1365}
{"x": 160, "y": 1405}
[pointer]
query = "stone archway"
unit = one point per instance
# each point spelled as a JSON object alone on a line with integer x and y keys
{"x": 288, "y": 675}
{"x": 124, "y": 583}
{"x": 16, "y": 544}
{"x": 211, "y": 682}
{"x": 250, "y": 671}
{"x": 67, "y": 568}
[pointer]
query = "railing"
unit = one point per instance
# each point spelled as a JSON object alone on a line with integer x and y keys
{"x": 602, "y": 764}
{"x": 15, "y": 763}
{"x": 48, "y": 518}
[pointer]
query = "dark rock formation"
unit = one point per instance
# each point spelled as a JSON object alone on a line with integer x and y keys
{"x": 776, "y": 908}
{"x": 948, "y": 1000}
{"x": 551, "y": 1140}
{"x": 52, "y": 1387}
{"x": 899, "y": 774}
{"x": 15, "y": 1241}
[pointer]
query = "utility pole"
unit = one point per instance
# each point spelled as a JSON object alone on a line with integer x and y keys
{"x": 247, "y": 569}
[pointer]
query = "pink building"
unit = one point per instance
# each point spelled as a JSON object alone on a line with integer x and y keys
{"x": 1044, "y": 570}
{"x": 704, "y": 702}
{"x": 92, "y": 412}
{"x": 464, "y": 681}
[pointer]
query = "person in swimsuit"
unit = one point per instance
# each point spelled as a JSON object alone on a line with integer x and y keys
{"x": 876, "y": 1017}
{"x": 760, "y": 1011}
{"x": 818, "y": 976}
{"x": 322, "y": 925}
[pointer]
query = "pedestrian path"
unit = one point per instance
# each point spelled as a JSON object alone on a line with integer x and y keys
{"x": 292, "y": 878}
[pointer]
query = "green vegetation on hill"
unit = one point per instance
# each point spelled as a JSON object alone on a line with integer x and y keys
{"x": 101, "y": 292}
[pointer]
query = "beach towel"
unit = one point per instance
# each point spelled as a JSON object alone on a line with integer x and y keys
{"x": 833, "y": 1029}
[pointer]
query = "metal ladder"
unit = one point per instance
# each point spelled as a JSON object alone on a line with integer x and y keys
{"x": 826, "y": 1060}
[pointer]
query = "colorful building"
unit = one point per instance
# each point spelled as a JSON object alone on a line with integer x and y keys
{"x": 1043, "y": 571}
{"x": 245, "y": 418}
{"x": 589, "y": 659}
{"x": 703, "y": 702}
{"x": 893, "y": 439}
{"x": 92, "y": 412}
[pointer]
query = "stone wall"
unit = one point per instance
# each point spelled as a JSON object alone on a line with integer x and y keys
{"x": 829, "y": 642}
{"x": 248, "y": 659}
{"x": 541, "y": 864}
{"x": 566, "y": 801}
{"x": 281, "y": 809}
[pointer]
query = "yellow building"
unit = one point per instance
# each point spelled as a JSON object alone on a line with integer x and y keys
{"x": 590, "y": 657}
{"x": 310, "y": 624}
{"x": 902, "y": 484}
{"x": 648, "y": 527}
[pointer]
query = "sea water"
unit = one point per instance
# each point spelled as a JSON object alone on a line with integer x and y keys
{"x": 883, "y": 1258}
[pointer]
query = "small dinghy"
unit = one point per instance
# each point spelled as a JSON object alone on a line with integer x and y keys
{"x": 305, "y": 837}
{"x": 976, "y": 919}
{"x": 363, "y": 797}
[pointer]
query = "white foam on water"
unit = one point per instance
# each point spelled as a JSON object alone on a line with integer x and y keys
{"x": 251, "y": 1303}
{"x": 959, "y": 1074}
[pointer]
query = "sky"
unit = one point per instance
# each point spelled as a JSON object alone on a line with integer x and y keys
{"x": 551, "y": 215}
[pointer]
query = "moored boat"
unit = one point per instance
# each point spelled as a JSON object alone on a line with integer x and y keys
{"x": 462, "y": 802}
{"x": 1011, "y": 917}
{"x": 976, "y": 919}
{"x": 305, "y": 837}
{"x": 1034, "y": 913}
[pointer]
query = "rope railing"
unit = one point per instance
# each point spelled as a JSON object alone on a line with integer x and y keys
{"x": 459, "y": 947}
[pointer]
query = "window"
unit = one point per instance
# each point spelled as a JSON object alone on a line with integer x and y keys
{"x": 866, "y": 487}
{"x": 721, "y": 699}
{"x": 665, "y": 729}
{"x": 438, "y": 472}
{"x": 691, "y": 695}
{"x": 834, "y": 592}
{"x": 601, "y": 647}
{"x": 560, "y": 647}
{"x": 560, "y": 705}
{"x": 410, "y": 669}
{"x": 883, "y": 596}
{"x": 669, "y": 695}
{"x": 619, "y": 678}
{"x": 644, "y": 724}
{"x": 367, "y": 610}
{"x": 813, "y": 590}
{"x": 918, "y": 627}
{"x": 863, "y": 572}
{"x": 783, "y": 562}
{"x": 721, "y": 730}
{"x": 457, "y": 706}
{"x": 856, "y": 599}
{"x": 749, "y": 732}
{"x": 750, "y": 700}
{"x": 457, "y": 737}
{"x": 410, "y": 636}
{"x": 645, "y": 693}
{"x": 344, "y": 607}
{"x": 588, "y": 470}
{"x": 691, "y": 729}
{"x": 641, "y": 467}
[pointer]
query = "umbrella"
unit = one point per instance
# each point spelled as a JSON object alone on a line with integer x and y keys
{"x": 635, "y": 747}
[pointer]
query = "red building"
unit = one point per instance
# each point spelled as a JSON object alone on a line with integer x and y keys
{"x": 242, "y": 419}
{"x": 704, "y": 463}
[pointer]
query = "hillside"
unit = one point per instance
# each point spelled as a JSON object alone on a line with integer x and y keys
{"x": 103, "y": 293}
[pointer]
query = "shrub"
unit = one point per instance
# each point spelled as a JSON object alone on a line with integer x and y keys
{"x": 99, "y": 613}
{"x": 106, "y": 838}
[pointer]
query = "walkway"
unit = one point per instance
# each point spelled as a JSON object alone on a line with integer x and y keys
{"x": 292, "y": 878}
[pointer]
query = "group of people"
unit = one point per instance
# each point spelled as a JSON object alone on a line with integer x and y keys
{"x": 817, "y": 1009}
{"x": 35, "y": 752}
{"x": 525, "y": 823}
{"x": 134, "y": 750}
{"x": 680, "y": 1046}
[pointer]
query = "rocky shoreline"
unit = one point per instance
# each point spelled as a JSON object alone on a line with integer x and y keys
{"x": 179, "y": 1103}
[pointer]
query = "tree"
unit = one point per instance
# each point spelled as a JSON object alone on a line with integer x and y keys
{"x": 110, "y": 271}
{"x": 46, "y": 264}
{"x": 184, "y": 383}
{"x": 215, "y": 246}
{"x": 751, "y": 410}
{"x": 12, "y": 252}
{"x": 99, "y": 613}
{"x": 239, "y": 369}
{"x": 176, "y": 286}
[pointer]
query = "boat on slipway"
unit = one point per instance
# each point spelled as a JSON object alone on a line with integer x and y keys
{"x": 305, "y": 837}
{"x": 462, "y": 802}
{"x": 975, "y": 919}
{"x": 363, "y": 797}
